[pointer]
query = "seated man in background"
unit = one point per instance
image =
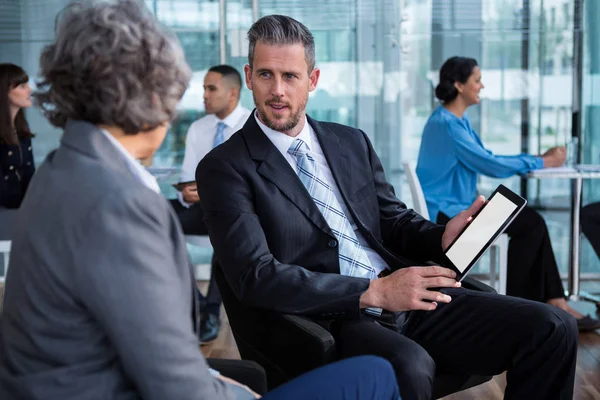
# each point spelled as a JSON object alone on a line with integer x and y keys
{"x": 99, "y": 301}
{"x": 225, "y": 116}
{"x": 303, "y": 221}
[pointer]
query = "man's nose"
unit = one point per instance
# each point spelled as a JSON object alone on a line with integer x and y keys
{"x": 277, "y": 90}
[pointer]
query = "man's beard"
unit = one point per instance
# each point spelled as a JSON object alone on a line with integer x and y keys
{"x": 291, "y": 123}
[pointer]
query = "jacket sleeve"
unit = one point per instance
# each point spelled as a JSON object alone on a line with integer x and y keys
{"x": 256, "y": 277}
{"x": 29, "y": 169}
{"x": 3, "y": 191}
{"x": 404, "y": 232}
{"x": 129, "y": 282}
{"x": 476, "y": 157}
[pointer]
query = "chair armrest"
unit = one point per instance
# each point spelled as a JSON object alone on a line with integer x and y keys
{"x": 312, "y": 343}
{"x": 296, "y": 345}
{"x": 246, "y": 372}
{"x": 312, "y": 333}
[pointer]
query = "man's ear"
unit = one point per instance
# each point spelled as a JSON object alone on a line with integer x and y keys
{"x": 234, "y": 93}
{"x": 248, "y": 76}
{"x": 313, "y": 79}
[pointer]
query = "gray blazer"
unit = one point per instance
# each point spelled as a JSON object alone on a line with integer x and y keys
{"x": 99, "y": 294}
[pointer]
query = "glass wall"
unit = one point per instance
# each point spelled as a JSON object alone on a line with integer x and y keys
{"x": 590, "y": 109}
{"x": 379, "y": 61}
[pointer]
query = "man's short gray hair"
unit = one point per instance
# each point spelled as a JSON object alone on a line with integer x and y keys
{"x": 281, "y": 30}
{"x": 111, "y": 63}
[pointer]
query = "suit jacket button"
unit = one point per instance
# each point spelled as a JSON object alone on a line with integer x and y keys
{"x": 332, "y": 243}
{"x": 11, "y": 168}
{"x": 10, "y": 153}
{"x": 29, "y": 148}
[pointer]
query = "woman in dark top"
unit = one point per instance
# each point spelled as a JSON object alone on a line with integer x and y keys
{"x": 16, "y": 157}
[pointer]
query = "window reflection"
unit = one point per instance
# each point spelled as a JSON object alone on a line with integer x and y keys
{"x": 379, "y": 61}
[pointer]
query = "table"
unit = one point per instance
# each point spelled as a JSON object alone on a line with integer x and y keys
{"x": 576, "y": 174}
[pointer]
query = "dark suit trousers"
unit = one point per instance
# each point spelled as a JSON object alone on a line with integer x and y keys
{"x": 477, "y": 333}
{"x": 532, "y": 270}
{"x": 590, "y": 225}
{"x": 192, "y": 223}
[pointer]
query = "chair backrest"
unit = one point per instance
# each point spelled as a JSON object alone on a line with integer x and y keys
{"x": 419, "y": 203}
{"x": 250, "y": 330}
{"x": 7, "y": 221}
{"x": 286, "y": 346}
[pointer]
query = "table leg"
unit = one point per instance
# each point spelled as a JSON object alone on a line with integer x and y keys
{"x": 574, "y": 245}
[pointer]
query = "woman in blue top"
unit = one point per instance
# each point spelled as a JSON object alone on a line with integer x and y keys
{"x": 451, "y": 158}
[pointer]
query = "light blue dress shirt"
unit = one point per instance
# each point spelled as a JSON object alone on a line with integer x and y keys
{"x": 452, "y": 156}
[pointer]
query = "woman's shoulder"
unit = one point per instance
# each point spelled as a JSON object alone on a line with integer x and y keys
{"x": 25, "y": 141}
{"x": 440, "y": 120}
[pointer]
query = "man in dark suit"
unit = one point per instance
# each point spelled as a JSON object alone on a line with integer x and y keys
{"x": 100, "y": 296}
{"x": 303, "y": 221}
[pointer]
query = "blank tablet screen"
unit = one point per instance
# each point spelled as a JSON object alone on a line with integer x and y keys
{"x": 480, "y": 231}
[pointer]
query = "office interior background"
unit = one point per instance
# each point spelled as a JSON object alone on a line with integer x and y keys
{"x": 379, "y": 62}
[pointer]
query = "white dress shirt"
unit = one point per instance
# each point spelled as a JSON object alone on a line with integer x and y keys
{"x": 134, "y": 165}
{"x": 283, "y": 142}
{"x": 200, "y": 137}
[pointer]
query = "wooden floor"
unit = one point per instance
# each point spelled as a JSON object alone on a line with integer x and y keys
{"x": 587, "y": 380}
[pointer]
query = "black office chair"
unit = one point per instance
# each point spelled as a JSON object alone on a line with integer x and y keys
{"x": 246, "y": 372}
{"x": 293, "y": 345}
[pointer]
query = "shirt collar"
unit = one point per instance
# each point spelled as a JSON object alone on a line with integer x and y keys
{"x": 232, "y": 119}
{"x": 145, "y": 177}
{"x": 283, "y": 141}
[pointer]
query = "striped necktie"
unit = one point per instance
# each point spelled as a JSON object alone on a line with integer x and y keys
{"x": 219, "y": 138}
{"x": 353, "y": 259}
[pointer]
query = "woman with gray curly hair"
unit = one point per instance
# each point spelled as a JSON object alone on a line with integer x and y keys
{"x": 99, "y": 295}
{"x": 100, "y": 299}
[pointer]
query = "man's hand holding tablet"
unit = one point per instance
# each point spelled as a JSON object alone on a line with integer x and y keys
{"x": 481, "y": 225}
{"x": 457, "y": 224}
{"x": 411, "y": 288}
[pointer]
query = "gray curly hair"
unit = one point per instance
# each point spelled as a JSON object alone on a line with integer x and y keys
{"x": 111, "y": 63}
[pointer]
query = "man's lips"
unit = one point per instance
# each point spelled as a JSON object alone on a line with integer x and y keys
{"x": 278, "y": 106}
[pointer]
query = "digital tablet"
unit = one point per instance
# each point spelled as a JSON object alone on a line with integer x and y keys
{"x": 492, "y": 219}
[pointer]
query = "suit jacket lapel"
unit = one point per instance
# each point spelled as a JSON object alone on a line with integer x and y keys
{"x": 275, "y": 168}
{"x": 336, "y": 158}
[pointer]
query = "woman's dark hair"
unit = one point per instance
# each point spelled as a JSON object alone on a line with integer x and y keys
{"x": 455, "y": 69}
{"x": 11, "y": 76}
